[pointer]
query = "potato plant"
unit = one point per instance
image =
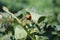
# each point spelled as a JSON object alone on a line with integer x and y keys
{"x": 25, "y": 20}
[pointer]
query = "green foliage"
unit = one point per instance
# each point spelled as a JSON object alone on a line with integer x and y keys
{"x": 50, "y": 11}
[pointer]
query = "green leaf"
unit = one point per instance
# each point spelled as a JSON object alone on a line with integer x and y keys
{"x": 41, "y": 19}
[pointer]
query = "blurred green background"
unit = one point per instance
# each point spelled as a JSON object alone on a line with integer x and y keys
{"x": 40, "y": 5}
